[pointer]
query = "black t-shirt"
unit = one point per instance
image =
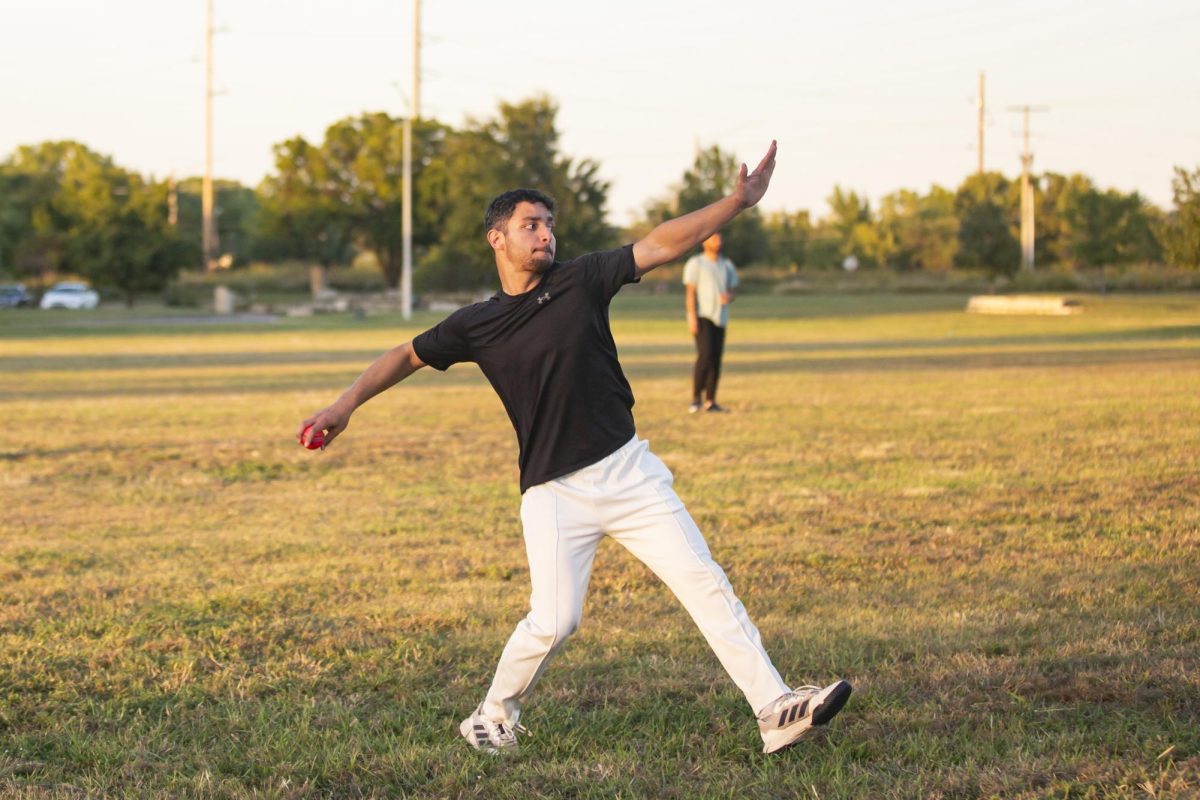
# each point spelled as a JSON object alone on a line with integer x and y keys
{"x": 550, "y": 355}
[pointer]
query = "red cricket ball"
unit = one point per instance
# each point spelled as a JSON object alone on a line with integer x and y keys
{"x": 318, "y": 439}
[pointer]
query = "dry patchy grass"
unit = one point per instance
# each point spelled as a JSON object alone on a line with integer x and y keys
{"x": 988, "y": 525}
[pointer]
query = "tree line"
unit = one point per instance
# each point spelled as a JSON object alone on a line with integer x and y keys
{"x": 65, "y": 209}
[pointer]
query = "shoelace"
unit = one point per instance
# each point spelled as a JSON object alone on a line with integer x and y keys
{"x": 797, "y": 695}
{"x": 506, "y": 735}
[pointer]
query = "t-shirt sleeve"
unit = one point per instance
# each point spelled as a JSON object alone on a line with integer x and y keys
{"x": 689, "y": 272}
{"x": 733, "y": 278}
{"x": 445, "y": 343}
{"x": 607, "y": 271}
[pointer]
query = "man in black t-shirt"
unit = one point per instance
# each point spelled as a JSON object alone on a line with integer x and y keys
{"x": 544, "y": 343}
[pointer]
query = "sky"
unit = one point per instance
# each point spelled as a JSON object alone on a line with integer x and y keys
{"x": 873, "y": 96}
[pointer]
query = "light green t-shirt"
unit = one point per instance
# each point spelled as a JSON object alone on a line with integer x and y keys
{"x": 712, "y": 279}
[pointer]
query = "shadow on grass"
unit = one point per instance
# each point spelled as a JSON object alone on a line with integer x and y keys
{"x": 63, "y": 363}
{"x": 73, "y": 363}
{"x": 649, "y": 305}
{"x": 469, "y": 375}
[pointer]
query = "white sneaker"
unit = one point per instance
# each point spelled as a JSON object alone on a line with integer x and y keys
{"x": 798, "y": 712}
{"x": 491, "y": 737}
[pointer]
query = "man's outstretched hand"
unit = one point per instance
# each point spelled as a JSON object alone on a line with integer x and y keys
{"x": 751, "y": 188}
{"x": 327, "y": 423}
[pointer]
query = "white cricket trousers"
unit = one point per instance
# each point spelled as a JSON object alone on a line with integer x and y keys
{"x": 627, "y": 496}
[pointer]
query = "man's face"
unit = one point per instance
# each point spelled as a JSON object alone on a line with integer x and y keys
{"x": 527, "y": 240}
{"x": 712, "y": 245}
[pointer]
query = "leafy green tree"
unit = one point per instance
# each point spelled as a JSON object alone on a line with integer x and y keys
{"x": 987, "y": 221}
{"x": 364, "y": 158}
{"x": 825, "y": 246}
{"x": 921, "y": 232}
{"x": 130, "y": 246}
{"x": 324, "y": 199}
{"x": 33, "y": 226}
{"x": 1180, "y": 233}
{"x": 461, "y": 258}
{"x": 357, "y": 185}
{"x": 851, "y": 230}
{"x": 12, "y": 220}
{"x": 712, "y": 176}
{"x": 787, "y": 237}
{"x": 519, "y": 147}
{"x": 1052, "y": 194}
{"x": 303, "y": 215}
{"x": 1080, "y": 225}
{"x": 118, "y": 236}
{"x": 11, "y": 217}
{"x": 67, "y": 208}
{"x": 237, "y": 213}
{"x": 1108, "y": 227}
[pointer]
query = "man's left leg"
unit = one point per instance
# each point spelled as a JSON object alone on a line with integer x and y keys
{"x": 646, "y": 516}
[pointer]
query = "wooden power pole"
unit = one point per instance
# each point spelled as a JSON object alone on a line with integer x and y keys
{"x": 979, "y": 104}
{"x": 208, "y": 227}
{"x": 406, "y": 223}
{"x": 1027, "y": 197}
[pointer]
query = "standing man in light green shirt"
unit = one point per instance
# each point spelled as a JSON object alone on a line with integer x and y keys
{"x": 710, "y": 279}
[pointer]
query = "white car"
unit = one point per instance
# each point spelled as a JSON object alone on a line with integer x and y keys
{"x": 70, "y": 295}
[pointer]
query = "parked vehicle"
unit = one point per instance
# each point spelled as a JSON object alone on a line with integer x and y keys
{"x": 70, "y": 295}
{"x": 13, "y": 295}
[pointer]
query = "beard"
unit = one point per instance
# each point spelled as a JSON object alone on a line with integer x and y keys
{"x": 541, "y": 260}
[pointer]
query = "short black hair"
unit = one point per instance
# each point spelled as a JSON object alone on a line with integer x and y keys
{"x": 500, "y": 210}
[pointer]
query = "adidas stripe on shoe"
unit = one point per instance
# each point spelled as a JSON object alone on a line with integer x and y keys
{"x": 488, "y": 736}
{"x": 790, "y": 717}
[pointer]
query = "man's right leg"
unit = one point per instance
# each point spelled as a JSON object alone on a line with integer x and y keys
{"x": 700, "y": 372}
{"x": 561, "y": 545}
{"x": 716, "y": 349}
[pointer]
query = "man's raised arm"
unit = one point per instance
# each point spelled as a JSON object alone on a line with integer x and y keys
{"x": 673, "y": 238}
{"x": 389, "y": 369}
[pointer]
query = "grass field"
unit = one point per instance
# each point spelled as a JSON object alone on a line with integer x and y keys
{"x": 989, "y": 525}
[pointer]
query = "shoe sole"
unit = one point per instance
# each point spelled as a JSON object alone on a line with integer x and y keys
{"x": 820, "y": 716}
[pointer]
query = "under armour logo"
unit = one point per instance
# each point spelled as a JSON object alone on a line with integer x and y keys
{"x": 543, "y": 298}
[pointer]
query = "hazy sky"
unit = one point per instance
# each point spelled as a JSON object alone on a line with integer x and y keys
{"x": 873, "y": 95}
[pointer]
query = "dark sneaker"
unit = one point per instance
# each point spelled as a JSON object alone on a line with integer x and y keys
{"x": 798, "y": 712}
{"x": 488, "y": 736}
{"x": 715, "y": 408}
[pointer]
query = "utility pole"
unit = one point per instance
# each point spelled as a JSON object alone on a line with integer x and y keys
{"x": 1027, "y": 198}
{"x": 172, "y": 201}
{"x": 208, "y": 225}
{"x": 979, "y": 104}
{"x": 406, "y": 226}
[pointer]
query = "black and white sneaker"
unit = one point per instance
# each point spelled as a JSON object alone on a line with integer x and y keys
{"x": 790, "y": 717}
{"x": 488, "y": 736}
